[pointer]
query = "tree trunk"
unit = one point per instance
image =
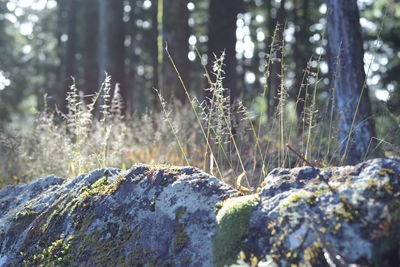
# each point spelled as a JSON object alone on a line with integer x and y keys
{"x": 116, "y": 38}
{"x": 155, "y": 34}
{"x": 111, "y": 44}
{"x": 175, "y": 35}
{"x": 70, "y": 52}
{"x": 104, "y": 62}
{"x": 345, "y": 54}
{"x": 131, "y": 77}
{"x": 222, "y": 37}
{"x": 300, "y": 55}
{"x": 90, "y": 53}
{"x": 72, "y": 40}
{"x": 58, "y": 92}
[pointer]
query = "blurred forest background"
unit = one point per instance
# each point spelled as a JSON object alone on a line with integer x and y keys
{"x": 268, "y": 45}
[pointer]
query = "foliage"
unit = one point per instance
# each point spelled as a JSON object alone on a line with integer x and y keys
{"x": 232, "y": 139}
{"x": 218, "y": 137}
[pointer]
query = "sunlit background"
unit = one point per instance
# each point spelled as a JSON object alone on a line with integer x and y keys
{"x": 33, "y": 50}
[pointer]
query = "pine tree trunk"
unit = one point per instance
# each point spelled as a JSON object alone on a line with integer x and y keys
{"x": 222, "y": 37}
{"x": 175, "y": 35}
{"x": 90, "y": 53}
{"x": 70, "y": 52}
{"x": 155, "y": 34}
{"x": 300, "y": 18}
{"x": 59, "y": 91}
{"x": 345, "y": 51}
{"x": 116, "y": 38}
{"x": 111, "y": 44}
{"x": 72, "y": 40}
{"x": 103, "y": 54}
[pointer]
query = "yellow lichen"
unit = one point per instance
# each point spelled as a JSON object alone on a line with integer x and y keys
{"x": 385, "y": 171}
{"x": 312, "y": 254}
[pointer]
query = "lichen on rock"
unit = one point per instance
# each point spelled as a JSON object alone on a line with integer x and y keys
{"x": 180, "y": 216}
{"x": 313, "y": 225}
{"x": 154, "y": 215}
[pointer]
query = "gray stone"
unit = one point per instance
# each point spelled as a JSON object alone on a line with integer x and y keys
{"x": 180, "y": 216}
{"x": 301, "y": 221}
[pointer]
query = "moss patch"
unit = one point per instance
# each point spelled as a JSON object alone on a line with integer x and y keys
{"x": 56, "y": 254}
{"x": 313, "y": 255}
{"x": 100, "y": 187}
{"x": 233, "y": 223}
{"x": 386, "y": 171}
{"x": 92, "y": 249}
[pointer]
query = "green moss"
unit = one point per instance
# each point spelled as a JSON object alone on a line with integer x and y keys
{"x": 381, "y": 187}
{"x": 324, "y": 191}
{"x": 313, "y": 255}
{"x": 92, "y": 248}
{"x": 347, "y": 212}
{"x": 232, "y": 226}
{"x": 386, "y": 171}
{"x": 100, "y": 187}
{"x": 56, "y": 254}
{"x": 373, "y": 184}
{"x": 388, "y": 188}
{"x": 139, "y": 177}
{"x": 71, "y": 206}
{"x": 295, "y": 197}
{"x": 95, "y": 250}
{"x": 344, "y": 214}
{"x": 100, "y": 182}
{"x": 254, "y": 260}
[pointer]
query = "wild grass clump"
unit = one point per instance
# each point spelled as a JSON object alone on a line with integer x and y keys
{"x": 93, "y": 135}
{"x": 234, "y": 141}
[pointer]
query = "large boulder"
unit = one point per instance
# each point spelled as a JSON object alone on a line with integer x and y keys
{"x": 157, "y": 216}
{"x": 180, "y": 216}
{"x": 328, "y": 217}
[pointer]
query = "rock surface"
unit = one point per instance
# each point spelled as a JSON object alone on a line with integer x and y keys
{"x": 170, "y": 216}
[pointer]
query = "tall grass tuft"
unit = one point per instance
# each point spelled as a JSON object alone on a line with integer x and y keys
{"x": 235, "y": 141}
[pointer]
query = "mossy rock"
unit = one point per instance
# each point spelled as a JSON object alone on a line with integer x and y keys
{"x": 232, "y": 227}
